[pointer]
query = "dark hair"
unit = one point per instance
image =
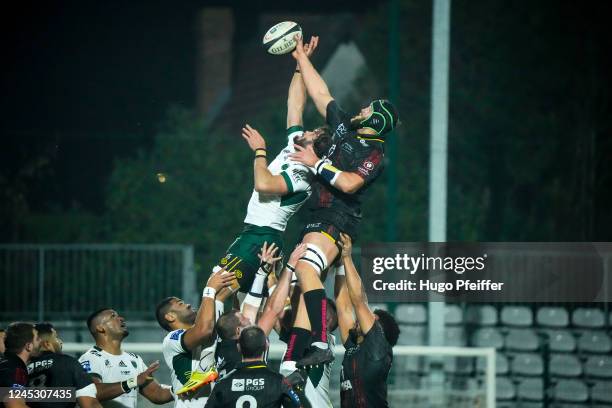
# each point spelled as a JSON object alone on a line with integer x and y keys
{"x": 92, "y": 317}
{"x": 161, "y": 310}
{"x": 252, "y": 342}
{"x": 323, "y": 142}
{"x": 18, "y": 334}
{"x": 332, "y": 313}
{"x": 227, "y": 324}
{"x": 389, "y": 326}
{"x": 44, "y": 329}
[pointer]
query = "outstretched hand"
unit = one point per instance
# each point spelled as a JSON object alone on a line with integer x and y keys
{"x": 305, "y": 155}
{"x": 267, "y": 255}
{"x": 220, "y": 279}
{"x": 311, "y": 46}
{"x": 299, "y": 48}
{"x": 253, "y": 137}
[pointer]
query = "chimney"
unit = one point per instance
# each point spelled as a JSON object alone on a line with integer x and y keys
{"x": 214, "y": 59}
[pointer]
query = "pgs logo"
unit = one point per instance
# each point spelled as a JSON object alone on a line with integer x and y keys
{"x": 248, "y": 384}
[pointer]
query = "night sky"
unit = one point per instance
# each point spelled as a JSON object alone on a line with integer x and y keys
{"x": 86, "y": 82}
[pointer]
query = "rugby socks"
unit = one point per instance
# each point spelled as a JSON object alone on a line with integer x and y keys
{"x": 299, "y": 340}
{"x": 316, "y": 306}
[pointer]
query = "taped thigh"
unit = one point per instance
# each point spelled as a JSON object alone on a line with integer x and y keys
{"x": 315, "y": 257}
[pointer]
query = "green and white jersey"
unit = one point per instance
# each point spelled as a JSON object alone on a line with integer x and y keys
{"x": 182, "y": 362}
{"x": 273, "y": 210}
{"x": 111, "y": 368}
{"x": 317, "y": 381}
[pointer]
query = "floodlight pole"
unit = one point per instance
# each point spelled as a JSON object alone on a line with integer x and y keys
{"x": 438, "y": 160}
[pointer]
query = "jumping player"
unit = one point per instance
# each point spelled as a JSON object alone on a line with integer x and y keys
{"x": 353, "y": 162}
{"x": 280, "y": 187}
{"x": 368, "y": 340}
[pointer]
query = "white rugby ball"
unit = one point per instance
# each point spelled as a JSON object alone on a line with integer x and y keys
{"x": 280, "y": 39}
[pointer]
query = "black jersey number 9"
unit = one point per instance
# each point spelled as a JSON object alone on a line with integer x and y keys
{"x": 38, "y": 381}
{"x": 244, "y": 399}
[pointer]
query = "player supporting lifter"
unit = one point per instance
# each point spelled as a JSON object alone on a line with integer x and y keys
{"x": 280, "y": 188}
{"x": 368, "y": 340}
{"x": 253, "y": 384}
{"x": 351, "y": 165}
{"x": 188, "y": 348}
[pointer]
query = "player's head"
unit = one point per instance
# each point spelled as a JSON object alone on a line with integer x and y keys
{"x": 107, "y": 323}
{"x": 22, "y": 337}
{"x": 377, "y": 119}
{"x": 230, "y": 324}
{"x": 332, "y": 315}
{"x": 389, "y": 326}
{"x": 173, "y": 313}
{"x": 49, "y": 339}
{"x": 319, "y": 138}
{"x": 252, "y": 343}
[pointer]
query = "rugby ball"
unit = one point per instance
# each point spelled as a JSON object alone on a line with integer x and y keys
{"x": 280, "y": 39}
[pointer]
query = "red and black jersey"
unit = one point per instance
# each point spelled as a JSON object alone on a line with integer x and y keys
{"x": 56, "y": 370}
{"x": 13, "y": 372}
{"x": 353, "y": 153}
{"x": 365, "y": 368}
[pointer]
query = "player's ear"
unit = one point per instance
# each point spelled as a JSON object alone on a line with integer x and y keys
{"x": 170, "y": 317}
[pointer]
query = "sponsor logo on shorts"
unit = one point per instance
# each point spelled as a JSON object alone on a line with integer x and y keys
{"x": 238, "y": 273}
{"x": 223, "y": 261}
{"x": 126, "y": 372}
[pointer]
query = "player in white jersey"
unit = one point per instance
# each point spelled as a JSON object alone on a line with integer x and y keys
{"x": 280, "y": 188}
{"x": 188, "y": 348}
{"x": 118, "y": 375}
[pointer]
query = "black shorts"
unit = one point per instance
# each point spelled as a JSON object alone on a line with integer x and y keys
{"x": 332, "y": 223}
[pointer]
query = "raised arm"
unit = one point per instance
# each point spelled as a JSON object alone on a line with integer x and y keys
{"x": 315, "y": 85}
{"x": 276, "y": 304}
{"x": 356, "y": 291}
{"x": 346, "y": 318}
{"x": 201, "y": 332}
{"x": 252, "y": 301}
{"x": 265, "y": 182}
{"x": 296, "y": 100}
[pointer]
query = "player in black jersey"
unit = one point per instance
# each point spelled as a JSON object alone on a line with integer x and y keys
{"x": 368, "y": 340}
{"x": 252, "y": 383}
{"x": 22, "y": 343}
{"x": 53, "y": 369}
{"x": 352, "y": 164}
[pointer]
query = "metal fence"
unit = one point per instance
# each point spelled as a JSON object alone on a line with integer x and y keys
{"x": 63, "y": 282}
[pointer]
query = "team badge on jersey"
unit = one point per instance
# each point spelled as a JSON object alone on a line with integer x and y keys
{"x": 86, "y": 366}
